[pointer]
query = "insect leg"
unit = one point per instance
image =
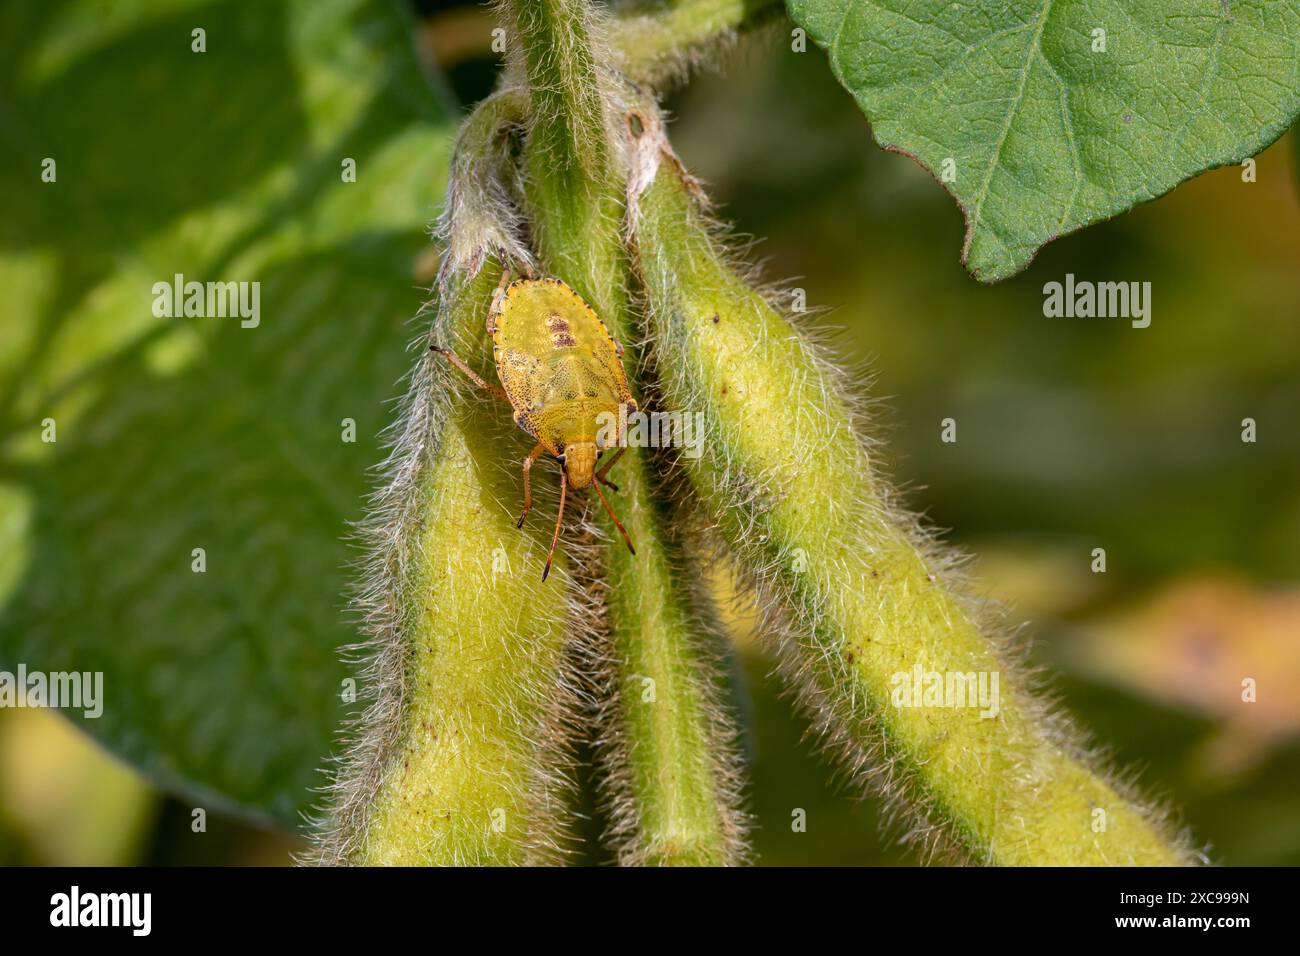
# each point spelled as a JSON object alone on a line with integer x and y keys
{"x": 610, "y": 464}
{"x": 618, "y": 524}
{"x": 495, "y": 308}
{"x": 473, "y": 376}
{"x": 528, "y": 483}
{"x": 564, "y": 487}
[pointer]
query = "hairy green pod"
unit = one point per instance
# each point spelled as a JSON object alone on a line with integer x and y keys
{"x": 666, "y": 743}
{"x": 668, "y": 746}
{"x": 858, "y": 597}
{"x": 463, "y": 756}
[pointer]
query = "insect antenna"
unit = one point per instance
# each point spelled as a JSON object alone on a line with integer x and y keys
{"x": 618, "y": 524}
{"x": 564, "y": 486}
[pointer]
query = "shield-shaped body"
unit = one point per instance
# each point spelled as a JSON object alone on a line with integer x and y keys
{"x": 558, "y": 364}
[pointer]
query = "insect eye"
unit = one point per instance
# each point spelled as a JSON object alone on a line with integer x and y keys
{"x": 599, "y": 453}
{"x": 560, "y": 458}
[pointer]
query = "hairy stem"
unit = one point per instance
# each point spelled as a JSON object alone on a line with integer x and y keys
{"x": 788, "y": 481}
{"x": 667, "y": 753}
{"x": 662, "y": 43}
{"x": 481, "y": 216}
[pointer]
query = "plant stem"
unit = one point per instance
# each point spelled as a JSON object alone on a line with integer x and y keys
{"x": 668, "y": 759}
{"x": 657, "y": 47}
{"x": 789, "y": 484}
{"x": 481, "y": 217}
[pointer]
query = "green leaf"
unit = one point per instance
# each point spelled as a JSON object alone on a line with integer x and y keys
{"x": 175, "y": 434}
{"x": 1034, "y": 129}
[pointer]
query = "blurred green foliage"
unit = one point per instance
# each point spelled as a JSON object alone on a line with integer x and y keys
{"x": 182, "y": 433}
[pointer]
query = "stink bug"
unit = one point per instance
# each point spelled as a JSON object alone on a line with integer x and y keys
{"x": 560, "y": 369}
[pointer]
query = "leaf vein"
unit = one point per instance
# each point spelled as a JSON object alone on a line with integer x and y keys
{"x": 1016, "y": 102}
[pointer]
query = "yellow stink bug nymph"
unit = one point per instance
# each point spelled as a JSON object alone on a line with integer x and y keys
{"x": 561, "y": 372}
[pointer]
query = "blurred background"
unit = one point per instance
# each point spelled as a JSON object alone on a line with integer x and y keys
{"x": 1073, "y": 434}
